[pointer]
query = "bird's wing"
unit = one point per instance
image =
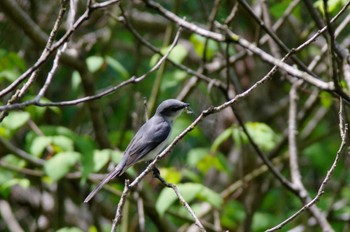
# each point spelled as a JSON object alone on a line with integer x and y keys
{"x": 149, "y": 136}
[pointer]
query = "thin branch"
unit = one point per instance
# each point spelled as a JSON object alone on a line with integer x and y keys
{"x": 43, "y": 58}
{"x": 21, "y": 153}
{"x": 232, "y": 37}
{"x": 140, "y": 211}
{"x": 34, "y": 75}
{"x": 343, "y": 134}
{"x": 281, "y": 19}
{"x": 51, "y": 73}
{"x": 275, "y": 38}
{"x": 332, "y": 48}
{"x": 118, "y": 212}
{"x": 201, "y": 76}
{"x": 47, "y": 49}
{"x": 180, "y": 197}
{"x": 108, "y": 91}
{"x": 9, "y": 218}
{"x": 292, "y": 131}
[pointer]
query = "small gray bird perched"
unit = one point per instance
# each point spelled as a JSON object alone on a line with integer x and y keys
{"x": 149, "y": 140}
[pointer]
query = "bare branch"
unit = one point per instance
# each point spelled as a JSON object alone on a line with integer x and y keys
{"x": 118, "y": 212}
{"x": 343, "y": 134}
{"x": 45, "y": 55}
{"x": 9, "y": 218}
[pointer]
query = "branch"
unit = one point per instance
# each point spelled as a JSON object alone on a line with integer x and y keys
{"x": 39, "y": 36}
{"x": 21, "y": 153}
{"x": 343, "y": 135}
{"x": 9, "y": 218}
{"x": 108, "y": 91}
{"x": 232, "y": 37}
{"x": 118, "y": 212}
{"x": 182, "y": 200}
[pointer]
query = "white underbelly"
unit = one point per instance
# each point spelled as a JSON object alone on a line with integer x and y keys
{"x": 156, "y": 151}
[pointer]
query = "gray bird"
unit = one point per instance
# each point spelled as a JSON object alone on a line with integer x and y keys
{"x": 149, "y": 140}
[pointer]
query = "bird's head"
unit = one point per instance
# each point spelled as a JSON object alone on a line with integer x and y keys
{"x": 172, "y": 108}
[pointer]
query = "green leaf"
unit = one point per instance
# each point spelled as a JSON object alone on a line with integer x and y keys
{"x": 199, "y": 44}
{"x": 166, "y": 198}
{"x": 118, "y": 67}
{"x": 24, "y": 183}
{"x": 14, "y": 161}
{"x": 86, "y": 147}
{"x": 226, "y": 134}
{"x": 212, "y": 161}
{"x": 5, "y": 187}
{"x": 38, "y": 145}
{"x": 94, "y": 63}
{"x": 189, "y": 191}
{"x": 195, "y": 155}
{"x": 173, "y": 79}
{"x": 11, "y": 61}
{"x": 177, "y": 55}
{"x": 326, "y": 99}
{"x": 9, "y": 75}
{"x": 11, "y": 65}
{"x": 261, "y": 133}
{"x": 277, "y": 9}
{"x": 261, "y": 221}
{"x": 101, "y": 158}
{"x": 171, "y": 175}
{"x": 192, "y": 176}
{"x": 15, "y": 120}
{"x": 210, "y": 196}
{"x": 333, "y": 5}
{"x": 62, "y": 143}
{"x": 233, "y": 214}
{"x": 76, "y": 81}
{"x": 59, "y": 143}
{"x": 60, "y": 164}
{"x": 69, "y": 229}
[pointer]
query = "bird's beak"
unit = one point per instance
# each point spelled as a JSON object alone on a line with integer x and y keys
{"x": 188, "y": 109}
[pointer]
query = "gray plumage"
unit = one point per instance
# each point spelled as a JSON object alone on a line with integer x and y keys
{"x": 149, "y": 140}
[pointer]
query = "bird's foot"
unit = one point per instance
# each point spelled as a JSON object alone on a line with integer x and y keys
{"x": 156, "y": 174}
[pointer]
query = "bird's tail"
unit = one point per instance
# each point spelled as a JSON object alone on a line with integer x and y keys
{"x": 119, "y": 170}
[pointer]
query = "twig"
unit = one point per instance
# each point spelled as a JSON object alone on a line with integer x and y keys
{"x": 140, "y": 211}
{"x": 232, "y": 37}
{"x": 332, "y": 48}
{"x": 9, "y": 218}
{"x": 180, "y": 197}
{"x": 21, "y": 153}
{"x": 59, "y": 53}
{"x": 51, "y": 73}
{"x": 292, "y": 131}
{"x": 25, "y": 171}
{"x": 281, "y": 20}
{"x": 33, "y": 76}
{"x": 108, "y": 91}
{"x": 118, "y": 212}
{"x": 43, "y": 58}
{"x": 201, "y": 76}
{"x": 47, "y": 49}
{"x": 274, "y": 37}
{"x": 343, "y": 134}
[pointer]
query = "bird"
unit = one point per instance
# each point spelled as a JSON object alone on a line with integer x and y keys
{"x": 149, "y": 140}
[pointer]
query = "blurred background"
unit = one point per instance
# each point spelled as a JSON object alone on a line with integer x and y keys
{"x": 52, "y": 155}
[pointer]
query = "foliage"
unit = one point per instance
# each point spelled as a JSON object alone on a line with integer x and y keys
{"x": 52, "y": 150}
